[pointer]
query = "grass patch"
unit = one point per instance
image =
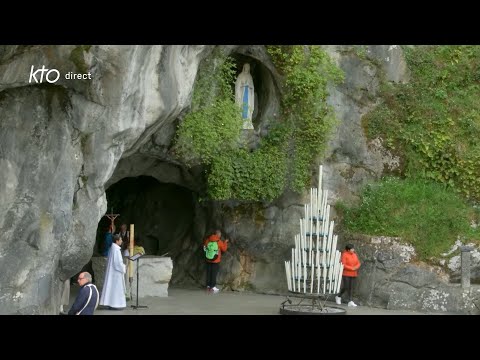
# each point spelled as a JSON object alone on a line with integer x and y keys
{"x": 424, "y": 213}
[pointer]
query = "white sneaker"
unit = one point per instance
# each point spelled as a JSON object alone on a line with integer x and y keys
{"x": 352, "y": 304}
{"x": 216, "y": 290}
{"x": 338, "y": 300}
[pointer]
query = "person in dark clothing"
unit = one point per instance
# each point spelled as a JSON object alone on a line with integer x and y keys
{"x": 107, "y": 244}
{"x": 87, "y": 299}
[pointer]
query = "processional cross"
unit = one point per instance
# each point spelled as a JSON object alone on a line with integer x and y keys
{"x": 112, "y": 218}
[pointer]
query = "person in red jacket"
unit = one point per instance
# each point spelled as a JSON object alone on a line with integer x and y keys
{"x": 350, "y": 272}
{"x": 213, "y": 265}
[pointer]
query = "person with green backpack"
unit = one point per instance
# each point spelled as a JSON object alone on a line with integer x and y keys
{"x": 213, "y": 247}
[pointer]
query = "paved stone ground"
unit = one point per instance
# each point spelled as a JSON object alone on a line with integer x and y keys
{"x": 199, "y": 302}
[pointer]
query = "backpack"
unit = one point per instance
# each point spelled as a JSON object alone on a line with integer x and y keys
{"x": 211, "y": 250}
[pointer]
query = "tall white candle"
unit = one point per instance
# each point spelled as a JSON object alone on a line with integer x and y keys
{"x": 311, "y": 211}
{"x": 327, "y": 219}
{"x": 334, "y": 277}
{"x": 334, "y": 244}
{"x": 320, "y": 203}
{"x": 293, "y": 261}
{"x": 324, "y": 209}
{"x": 293, "y": 269}
{"x": 329, "y": 242}
{"x": 305, "y": 275}
{"x": 298, "y": 274}
{"x": 293, "y": 277}
{"x": 319, "y": 270}
{"x": 311, "y": 202}
{"x": 286, "y": 273}
{"x": 339, "y": 279}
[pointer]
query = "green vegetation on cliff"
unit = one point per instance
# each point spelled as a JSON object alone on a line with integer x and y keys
{"x": 213, "y": 126}
{"x": 210, "y": 133}
{"x": 433, "y": 122}
{"x": 423, "y": 213}
{"x": 307, "y": 118}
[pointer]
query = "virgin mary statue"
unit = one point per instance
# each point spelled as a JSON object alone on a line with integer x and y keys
{"x": 244, "y": 95}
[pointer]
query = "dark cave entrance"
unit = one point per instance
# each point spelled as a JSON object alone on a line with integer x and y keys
{"x": 163, "y": 213}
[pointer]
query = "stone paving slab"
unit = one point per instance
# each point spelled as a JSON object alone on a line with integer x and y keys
{"x": 199, "y": 302}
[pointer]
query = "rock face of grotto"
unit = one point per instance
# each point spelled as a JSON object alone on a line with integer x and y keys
{"x": 67, "y": 146}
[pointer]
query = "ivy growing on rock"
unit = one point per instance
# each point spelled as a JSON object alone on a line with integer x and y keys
{"x": 433, "y": 122}
{"x": 308, "y": 118}
{"x": 211, "y": 133}
{"x": 213, "y": 126}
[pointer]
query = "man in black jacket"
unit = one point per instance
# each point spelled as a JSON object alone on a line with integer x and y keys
{"x": 88, "y": 297}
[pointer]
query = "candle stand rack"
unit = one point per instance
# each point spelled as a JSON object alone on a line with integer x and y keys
{"x": 297, "y": 303}
{"x": 314, "y": 271}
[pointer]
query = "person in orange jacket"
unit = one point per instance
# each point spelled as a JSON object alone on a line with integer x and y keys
{"x": 213, "y": 265}
{"x": 351, "y": 264}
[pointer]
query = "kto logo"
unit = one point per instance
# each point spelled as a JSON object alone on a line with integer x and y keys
{"x": 51, "y": 75}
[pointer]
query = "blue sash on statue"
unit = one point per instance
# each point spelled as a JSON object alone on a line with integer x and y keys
{"x": 245, "y": 102}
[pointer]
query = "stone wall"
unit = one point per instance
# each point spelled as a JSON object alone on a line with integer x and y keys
{"x": 390, "y": 277}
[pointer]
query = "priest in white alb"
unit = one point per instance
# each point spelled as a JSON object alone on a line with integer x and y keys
{"x": 113, "y": 293}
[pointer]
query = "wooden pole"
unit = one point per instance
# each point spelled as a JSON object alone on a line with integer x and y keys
{"x": 130, "y": 263}
{"x": 130, "y": 251}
